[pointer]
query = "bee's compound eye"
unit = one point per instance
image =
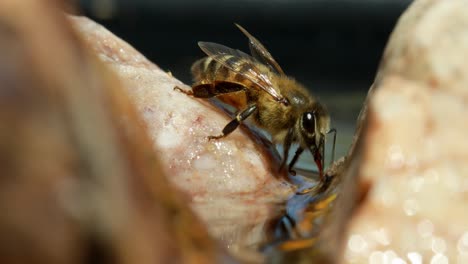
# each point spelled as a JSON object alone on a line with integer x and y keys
{"x": 308, "y": 122}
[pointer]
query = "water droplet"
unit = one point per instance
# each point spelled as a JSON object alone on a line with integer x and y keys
{"x": 384, "y": 194}
{"x": 438, "y": 245}
{"x": 439, "y": 259}
{"x": 387, "y": 257}
{"x": 415, "y": 258}
{"x": 462, "y": 245}
{"x": 381, "y": 236}
{"x": 398, "y": 261}
{"x": 411, "y": 207}
{"x": 395, "y": 157}
{"x": 357, "y": 243}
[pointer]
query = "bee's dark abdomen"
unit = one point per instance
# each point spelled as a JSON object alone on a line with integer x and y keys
{"x": 208, "y": 90}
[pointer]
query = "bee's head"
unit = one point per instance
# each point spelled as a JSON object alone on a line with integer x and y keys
{"x": 314, "y": 124}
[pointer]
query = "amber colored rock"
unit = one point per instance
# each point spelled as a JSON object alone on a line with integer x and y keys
{"x": 79, "y": 179}
{"x": 413, "y": 149}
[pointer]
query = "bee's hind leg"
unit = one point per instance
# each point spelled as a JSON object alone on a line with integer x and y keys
{"x": 231, "y": 126}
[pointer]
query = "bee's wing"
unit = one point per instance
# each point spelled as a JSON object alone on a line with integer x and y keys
{"x": 260, "y": 53}
{"x": 241, "y": 63}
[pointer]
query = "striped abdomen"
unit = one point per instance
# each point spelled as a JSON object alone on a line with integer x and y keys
{"x": 208, "y": 69}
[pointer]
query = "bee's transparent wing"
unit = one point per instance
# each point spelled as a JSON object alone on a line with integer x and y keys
{"x": 260, "y": 53}
{"x": 241, "y": 63}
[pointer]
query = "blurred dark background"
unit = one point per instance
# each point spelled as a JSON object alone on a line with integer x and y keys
{"x": 332, "y": 46}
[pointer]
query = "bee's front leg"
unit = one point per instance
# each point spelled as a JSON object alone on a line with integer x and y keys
{"x": 286, "y": 146}
{"x": 231, "y": 126}
{"x": 319, "y": 162}
{"x": 294, "y": 160}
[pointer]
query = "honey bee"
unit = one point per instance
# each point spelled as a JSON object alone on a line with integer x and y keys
{"x": 276, "y": 102}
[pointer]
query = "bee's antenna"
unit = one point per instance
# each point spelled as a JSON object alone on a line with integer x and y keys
{"x": 333, "y": 130}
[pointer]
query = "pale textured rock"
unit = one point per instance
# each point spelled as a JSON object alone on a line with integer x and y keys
{"x": 413, "y": 149}
{"x": 234, "y": 182}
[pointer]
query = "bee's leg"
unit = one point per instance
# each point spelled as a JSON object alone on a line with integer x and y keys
{"x": 187, "y": 92}
{"x": 294, "y": 160}
{"x": 231, "y": 126}
{"x": 318, "y": 158}
{"x": 333, "y": 130}
{"x": 286, "y": 146}
{"x": 322, "y": 156}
